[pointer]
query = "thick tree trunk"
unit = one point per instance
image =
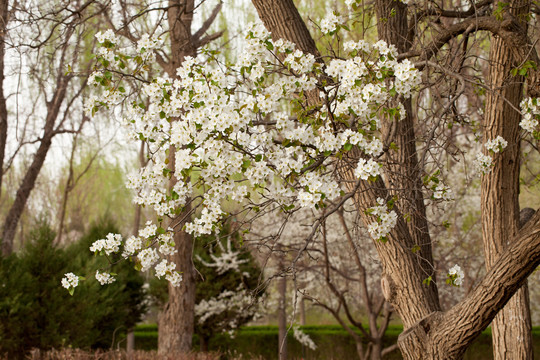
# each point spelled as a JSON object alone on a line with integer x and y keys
{"x": 29, "y": 180}
{"x": 403, "y": 172}
{"x": 448, "y": 335}
{"x": 176, "y": 323}
{"x": 511, "y": 328}
{"x": 177, "y": 320}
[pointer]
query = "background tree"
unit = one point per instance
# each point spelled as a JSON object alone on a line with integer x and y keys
{"x": 36, "y": 313}
{"x": 51, "y": 41}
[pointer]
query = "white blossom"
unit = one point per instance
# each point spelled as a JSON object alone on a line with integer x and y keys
{"x": 496, "y": 145}
{"x": 104, "y": 278}
{"x": 457, "y": 275}
{"x": 530, "y": 110}
{"x": 70, "y": 280}
{"x": 483, "y": 163}
{"x": 386, "y": 220}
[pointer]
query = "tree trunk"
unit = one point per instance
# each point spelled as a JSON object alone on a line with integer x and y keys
{"x": 176, "y": 323}
{"x": 302, "y": 310}
{"x": 282, "y": 317}
{"x": 3, "y": 108}
{"x": 203, "y": 341}
{"x": 376, "y": 350}
{"x": 511, "y": 329}
{"x": 29, "y": 180}
{"x": 130, "y": 342}
{"x": 403, "y": 172}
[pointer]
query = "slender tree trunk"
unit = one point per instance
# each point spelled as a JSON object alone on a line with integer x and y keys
{"x": 302, "y": 310}
{"x": 3, "y": 108}
{"x": 511, "y": 328}
{"x": 176, "y": 324}
{"x": 203, "y": 343}
{"x": 130, "y": 343}
{"x": 282, "y": 318}
{"x": 376, "y": 350}
{"x": 29, "y": 180}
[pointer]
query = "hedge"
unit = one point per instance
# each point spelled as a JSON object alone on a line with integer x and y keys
{"x": 333, "y": 342}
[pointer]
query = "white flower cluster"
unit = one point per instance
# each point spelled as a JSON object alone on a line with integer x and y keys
{"x": 108, "y": 35}
{"x": 367, "y": 169}
{"x": 165, "y": 268}
{"x": 146, "y": 46}
{"x": 386, "y": 220}
{"x": 70, "y": 280}
{"x": 111, "y": 244}
{"x": 104, "y": 278}
{"x": 236, "y": 138}
{"x": 303, "y": 338}
{"x": 483, "y": 163}
{"x": 329, "y": 23}
{"x": 530, "y": 109}
{"x": 456, "y": 275}
{"x": 440, "y": 190}
{"x": 496, "y": 145}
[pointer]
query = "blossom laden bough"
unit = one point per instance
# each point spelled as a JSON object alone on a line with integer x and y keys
{"x": 247, "y": 134}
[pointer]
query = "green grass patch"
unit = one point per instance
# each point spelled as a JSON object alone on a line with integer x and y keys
{"x": 333, "y": 342}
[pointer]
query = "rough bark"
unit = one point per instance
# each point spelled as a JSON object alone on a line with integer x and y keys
{"x": 29, "y": 180}
{"x": 511, "y": 328}
{"x": 176, "y": 322}
{"x": 177, "y": 319}
{"x": 282, "y": 19}
{"x": 448, "y": 335}
{"x": 403, "y": 173}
